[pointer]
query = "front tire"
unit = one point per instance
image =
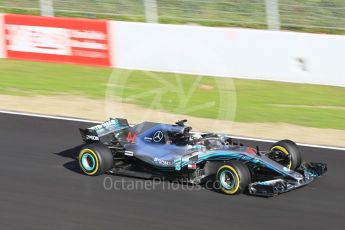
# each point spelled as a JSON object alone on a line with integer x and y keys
{"x": 287, "y": 153}
{"x": 233, "y": 177}
{"x": 95, "y": 159}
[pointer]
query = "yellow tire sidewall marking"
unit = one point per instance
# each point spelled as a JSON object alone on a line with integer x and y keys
{"x": 283, "y": 150}
{"x": 82, "y": 152}
{"x": 232, "y": 169}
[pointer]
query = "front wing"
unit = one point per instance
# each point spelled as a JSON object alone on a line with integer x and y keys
{"x": 269, "y": 188}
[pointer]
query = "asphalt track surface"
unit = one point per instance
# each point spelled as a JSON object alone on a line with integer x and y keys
{"x": 41, "y": 187}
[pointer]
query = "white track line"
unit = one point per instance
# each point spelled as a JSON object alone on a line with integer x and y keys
{"x": 93, "y": 121}
{"x": 49, "y": 116}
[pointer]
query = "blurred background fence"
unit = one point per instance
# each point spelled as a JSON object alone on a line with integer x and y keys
{"x": 320, "y": 16}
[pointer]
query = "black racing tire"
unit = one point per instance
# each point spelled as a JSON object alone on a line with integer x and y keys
{"x": 291, "y": 150}
{"x": 233, "y": 177}
{"x": 95, "y": 159}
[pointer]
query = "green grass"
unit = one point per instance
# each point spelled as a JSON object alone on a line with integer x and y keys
{"x": 254, "y": 100}
{"x": 31, "y": 78}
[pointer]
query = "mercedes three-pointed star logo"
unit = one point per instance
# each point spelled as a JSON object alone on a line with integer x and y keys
{"x": 158, "y": 136}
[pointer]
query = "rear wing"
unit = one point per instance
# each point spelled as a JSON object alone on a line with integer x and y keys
{"x": 94, "y": 133}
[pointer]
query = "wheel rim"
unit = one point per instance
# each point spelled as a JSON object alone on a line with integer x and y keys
{"x": 88, "y": 162}
{"x": 284, "y": 155}
{"x": 227, "y": 179}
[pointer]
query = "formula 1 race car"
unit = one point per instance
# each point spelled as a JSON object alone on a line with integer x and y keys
{"x": 154, "y": 150}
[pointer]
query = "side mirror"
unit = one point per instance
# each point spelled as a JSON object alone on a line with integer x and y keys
{"x": 181, "y": 122}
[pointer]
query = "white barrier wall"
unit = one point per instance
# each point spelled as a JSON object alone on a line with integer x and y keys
{"x": 230, "y": 52}
{"x": 2, "y": 39}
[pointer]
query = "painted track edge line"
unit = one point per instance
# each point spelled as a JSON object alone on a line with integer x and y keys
{"x": 49, "y": 116}
{"x": 300, "y": 144}
{"x": 94, "y": 121}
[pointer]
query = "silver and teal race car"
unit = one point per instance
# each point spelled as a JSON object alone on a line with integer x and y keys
{"x": 171, "y": 151}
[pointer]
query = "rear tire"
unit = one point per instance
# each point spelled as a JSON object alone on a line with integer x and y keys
{"x": 291, "y": 151}
{"x": 233, "y": 177}
{"x": 95, "y": 159}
